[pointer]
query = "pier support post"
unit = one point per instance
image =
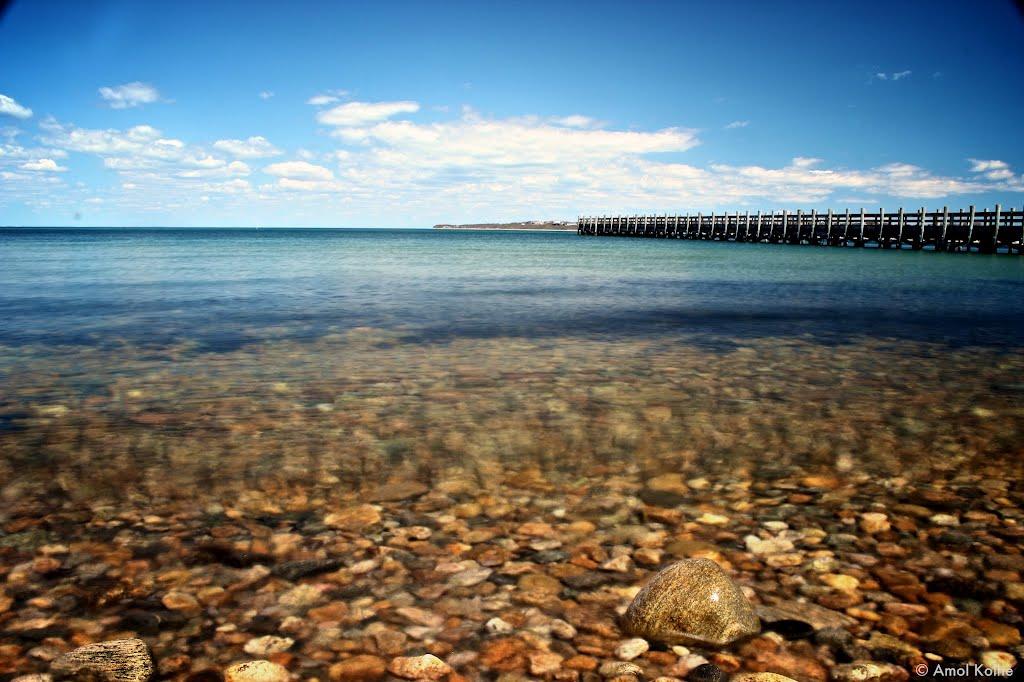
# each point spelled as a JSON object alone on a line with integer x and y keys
{"x": 945, "y": 227}
{"x": 995, "y": 232}
{"x": 970, "y": 229}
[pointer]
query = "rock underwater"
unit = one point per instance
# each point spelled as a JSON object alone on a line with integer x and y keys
{"x": 692, "y": 602}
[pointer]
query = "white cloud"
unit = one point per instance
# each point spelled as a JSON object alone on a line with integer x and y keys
{"x": 300, "y": 185}
{"x": 321, "y": 100}
{"x": 219, "y": 170}
{"x": 992, "y": 169}
{"x": 805, "y": 161}
{"x": 506, "y": 142}
{"x": 266, "y": 94}
{"x": 43, "y": 165}
{"x": 129, "y": 95}
{"x": 577, "y": 121}
{"x": 737, "y": 124}
{"x": 895, "y": 76}
{"x": 10, "y": 107}
{"x": 463, "y": 167}
{"x": 362, "y": 113}
{"x": 231, "y": 186}
{"x": 983, "y": 165}
{"x": 256, "y": 147}
{"x": 299, "y": 170}
{"x": 142, "y": 140}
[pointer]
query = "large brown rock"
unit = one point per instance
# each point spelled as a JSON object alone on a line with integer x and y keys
{"x": 119, "y": 660}
{"x": 692, "y": 602}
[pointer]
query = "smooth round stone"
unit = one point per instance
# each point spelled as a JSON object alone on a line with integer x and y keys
{"x": 999, "y": 662}
{"x": 562, "y": 629}
{"x": 692, "y": 602}
{"x": 631, "y": 648}
{"x": 761, "y": 677}
{"x": 708, "y": 672}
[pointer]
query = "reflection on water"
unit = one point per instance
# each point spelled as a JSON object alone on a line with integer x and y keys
{"x": 373, "y": 444}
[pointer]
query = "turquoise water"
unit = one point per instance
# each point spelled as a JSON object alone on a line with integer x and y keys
{"x": 225, "y": 288}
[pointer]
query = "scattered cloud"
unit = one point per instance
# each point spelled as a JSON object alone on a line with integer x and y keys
{"x": 46, "y": 165}
{"x": 461, "y": 166}
{"x": 322, "y": 99}
{"x": 895, "y": 76}
{"x": 737, "y": 124}
{"x": 266, "y": 94}
{"x": 129, "y": 95}
{"x": 10, "y": 107}
{"x": 257, "y": 147}
{"x": 360, "y": 113}
{"x": 992, "y": 169}
{"x": 142, "y": 141}
{"x": 982, "y": 165}
{"x": 299, "y": 170}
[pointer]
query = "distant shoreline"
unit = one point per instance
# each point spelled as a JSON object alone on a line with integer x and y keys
{"x": 532, "y": 225}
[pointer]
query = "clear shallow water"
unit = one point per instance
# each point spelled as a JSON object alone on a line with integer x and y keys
{"x": 224, "y": 288}
{"x": 203, "y": 401}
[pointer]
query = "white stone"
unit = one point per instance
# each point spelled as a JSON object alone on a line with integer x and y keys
{"x": 498, "y": 626}
{"x": 631, "y": 648}
{"x": 267, "y": 645}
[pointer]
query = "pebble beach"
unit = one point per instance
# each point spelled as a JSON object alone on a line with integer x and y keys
{"x": 488, "y": 509}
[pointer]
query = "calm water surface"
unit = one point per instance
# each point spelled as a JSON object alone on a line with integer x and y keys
{"x": 225, "y": 288}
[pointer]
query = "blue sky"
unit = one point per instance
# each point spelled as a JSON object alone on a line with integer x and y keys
{"x": 408, "y": 114}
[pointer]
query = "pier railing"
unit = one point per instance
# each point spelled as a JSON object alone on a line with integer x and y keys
{"x": 994, "y": 230}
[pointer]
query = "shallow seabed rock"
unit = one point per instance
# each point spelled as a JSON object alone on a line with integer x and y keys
{"x": 692, "y": 602}
{"x": 256, "y": 671}
{"x": 119, "y": 660}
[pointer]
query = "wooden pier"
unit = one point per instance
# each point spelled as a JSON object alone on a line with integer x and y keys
{"x": 995, "y": 230}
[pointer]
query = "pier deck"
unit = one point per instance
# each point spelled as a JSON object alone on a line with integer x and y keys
{"x": 994, "y": 230}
